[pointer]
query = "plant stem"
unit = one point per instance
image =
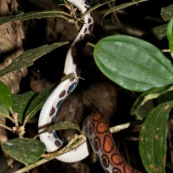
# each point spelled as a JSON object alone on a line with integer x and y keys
{"x": 5, "y": 127}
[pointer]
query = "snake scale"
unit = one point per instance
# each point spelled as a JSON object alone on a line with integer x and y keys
{"x": 97, "y": 130}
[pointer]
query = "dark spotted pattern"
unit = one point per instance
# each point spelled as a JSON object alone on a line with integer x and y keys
{"x": 81, "y": 37}
{"x": 91, "y": 26}
{"x": 87, "y": 3}
{"x": 58, "y": 143}
{"x": 86, "y": 7}
{"x": 72, "y": 79}
{"x": 52, "y": 111}
{"x": 87, "y": 36}
{"x": 104, "y": 146}
{"x": 91, "y": 129}
{"x": 59, "y": 104}
{"x": 89, "y": 20}
{"x": 62, "y": 94}
{"x": 97, "y": 143}
{"x": 105, "y": 160}
{"x": 85, "y": 30}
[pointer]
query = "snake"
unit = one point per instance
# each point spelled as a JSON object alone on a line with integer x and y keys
{"x": 51, "y": 106}
{"x": 95, "y": 126}
{"x": 97, "y": 130}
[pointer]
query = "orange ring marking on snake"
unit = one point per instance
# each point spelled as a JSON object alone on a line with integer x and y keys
{"x": 108, "y": 146}
{"x": 102, "y": 127}
{"x": 117, "y": 159}
{"x": 97, "y": 117}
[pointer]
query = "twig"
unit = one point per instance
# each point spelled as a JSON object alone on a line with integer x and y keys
{"x": 5, "y": 127}
{"x": 123, "y": 126}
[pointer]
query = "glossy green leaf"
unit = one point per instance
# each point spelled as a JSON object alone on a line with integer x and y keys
{"x": 144, "y": 103}
{"x": 34, "y": 15}
{"x": 153, "y": 136}
{"x": 5, "y": 95}
{"x": 170, "y": 36}
{"x": 4, "y": 111}
{"x": 24, "y": 150}
{"x": 20, "y": 104}
{"x": 167, "y": 12}
{"x": 28, "y": 57}
{"x": 133, "y": 63}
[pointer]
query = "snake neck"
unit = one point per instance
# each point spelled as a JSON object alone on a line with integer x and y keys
{"x": 72, "y": 58}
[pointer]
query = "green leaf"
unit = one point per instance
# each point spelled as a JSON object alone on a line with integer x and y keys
{"x": 170, "y": 36}
{"x": 144, "y": 103}
{"x": 28, "y": 104}
{"x": 24, "y": 150}
{"x": 34, "y": 15}
{"x": 61, "y": 126}
{"x": 96, "y": 6}
{"x": 37, "y": 102}
{"x": 4, "y": 111}
{"x": 5, "y": 95}
{"x": 167, "y": 12}
{"x": 20, "y": 104}
{"x": 123, "y": 6}
{"x": 153, "y": 134}
{"x": 28, "y": 57}
{"x": 133, "y": 63}
{"x": 144, "y": 109}
{"x": 159, "y": 31}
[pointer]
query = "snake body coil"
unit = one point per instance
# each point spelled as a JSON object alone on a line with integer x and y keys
{"x": 95, "y": 127}
{"x": 100, "y": 138}
{"x": 54, "y": 101}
